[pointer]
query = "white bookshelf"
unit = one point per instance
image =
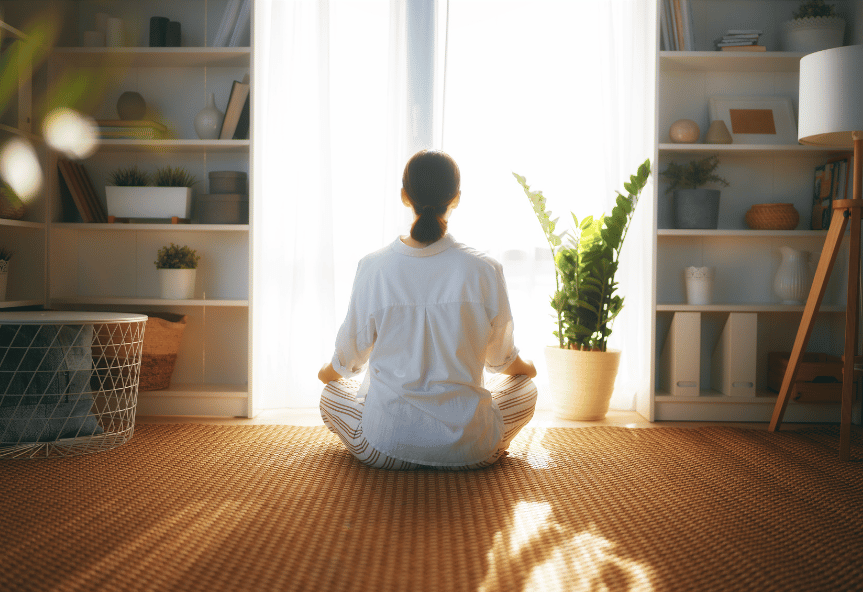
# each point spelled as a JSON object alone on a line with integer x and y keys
{"x": 745, "y": 260}
{"x": 73, "y": 265}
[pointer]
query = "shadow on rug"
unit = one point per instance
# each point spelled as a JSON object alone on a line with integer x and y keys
{"x": 202, "y": 507}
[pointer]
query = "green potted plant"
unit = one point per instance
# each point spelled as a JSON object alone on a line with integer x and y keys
{"x": 134, "y": 193}
{"x": 5, "y": 256}
{"x": 814, "y": 26}
{"x": 177, "y": 267}
{"x": 694, "y": 206}
{"x": 582, "y": 369}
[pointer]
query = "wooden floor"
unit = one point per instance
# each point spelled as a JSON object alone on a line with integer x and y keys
{"x": 543, "y": 418}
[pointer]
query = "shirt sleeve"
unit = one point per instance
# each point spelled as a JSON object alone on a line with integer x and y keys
{"x": 356, "y": 337}
{"x": 501, "y": 350}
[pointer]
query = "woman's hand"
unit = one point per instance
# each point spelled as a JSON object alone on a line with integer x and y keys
{"x": 520, "y": 367}
{"x": 328, "y": 374}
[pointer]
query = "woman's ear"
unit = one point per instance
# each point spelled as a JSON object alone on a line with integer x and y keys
{"x": 405, "y": 199}
{"x": 454, "y": 203}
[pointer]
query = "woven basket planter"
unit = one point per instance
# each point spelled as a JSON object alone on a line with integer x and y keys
{"x": 773, "y": 216}
{"x": 581, "y": 382}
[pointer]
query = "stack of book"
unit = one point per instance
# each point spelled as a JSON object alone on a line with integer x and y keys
{"x": 123, "y": 129}
{"x": 740, "y": 40}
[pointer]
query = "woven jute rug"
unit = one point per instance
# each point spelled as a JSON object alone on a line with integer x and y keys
{"x": 203, "y": 507}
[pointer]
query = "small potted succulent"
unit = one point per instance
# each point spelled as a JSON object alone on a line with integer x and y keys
{"x": 134, "y": 193}
{"x": 582, "y": 370}
{"x": 177, "y": 268}
{"x": 694, "y": 205}
{"x": 814, "y": 26}
{"x": 5, "y": 256}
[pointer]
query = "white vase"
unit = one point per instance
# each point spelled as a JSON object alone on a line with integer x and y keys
{"x": 4, "y": 277}
{"x": 581, "y": 382}
{"x": 177, "y": 284}
{"x": 791, "y": 283}
{"x": 208, "y": 121}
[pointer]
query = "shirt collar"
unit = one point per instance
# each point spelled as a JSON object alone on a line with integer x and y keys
{"x": 436, "y": 247}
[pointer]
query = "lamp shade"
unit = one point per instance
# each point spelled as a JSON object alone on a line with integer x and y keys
{"x": 831, "y": 96}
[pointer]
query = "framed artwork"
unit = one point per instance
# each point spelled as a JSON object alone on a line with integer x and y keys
{"x": 756, "y": 120}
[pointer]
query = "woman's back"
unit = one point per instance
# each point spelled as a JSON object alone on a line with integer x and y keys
{"x": 435, "y": 317}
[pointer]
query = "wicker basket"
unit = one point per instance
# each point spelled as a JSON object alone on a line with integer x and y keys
{"x": 159, "y": 353}
{"x": 162, "y": 337}
{"x": 772, "y": 216}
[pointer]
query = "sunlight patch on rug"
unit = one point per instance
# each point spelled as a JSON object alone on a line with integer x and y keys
{"x": 558, "y": 559}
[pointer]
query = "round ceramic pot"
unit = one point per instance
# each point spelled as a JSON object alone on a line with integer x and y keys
{"x": 813, "y": 34}
{"x": 696, "y": 208}
{"x": 581, "y": 382}
{"x": 177, "y": 284}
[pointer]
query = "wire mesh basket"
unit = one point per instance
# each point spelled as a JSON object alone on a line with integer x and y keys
{"x": 68, "y": 381}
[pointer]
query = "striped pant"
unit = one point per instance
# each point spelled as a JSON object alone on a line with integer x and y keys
{"x": 342, "y": 412}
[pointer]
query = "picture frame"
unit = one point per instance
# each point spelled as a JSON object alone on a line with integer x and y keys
{"x": 756, "y": 120}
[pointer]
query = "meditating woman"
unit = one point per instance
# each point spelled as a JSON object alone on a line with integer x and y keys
{"x": 428, "y": 314}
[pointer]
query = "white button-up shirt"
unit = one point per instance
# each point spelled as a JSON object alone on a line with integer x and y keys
{"x": 427, "y": 321}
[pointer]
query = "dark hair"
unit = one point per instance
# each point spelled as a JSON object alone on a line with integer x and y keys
{"x": 431, "y": 181}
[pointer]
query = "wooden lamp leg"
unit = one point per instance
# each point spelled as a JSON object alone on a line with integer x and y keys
{"x": 844, "y": 211}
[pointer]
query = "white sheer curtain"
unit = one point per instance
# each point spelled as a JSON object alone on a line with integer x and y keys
{"x": 344, "y": 91}
{"x": 570, "y": 107}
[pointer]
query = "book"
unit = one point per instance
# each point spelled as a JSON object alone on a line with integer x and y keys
{"x": 99, "y": 213}
{"x": 678, "y": 23}
{"x": 226, "y": 25}
{"x": 131, "y": 123}
{"x": 743, "y": 48}
{"x": 243, "y": 124}
{"x": 672, "y": 26}
{"x": 822, "y": 192}
{"x": 69, "y": 191}
{"x": 735, "y": 43}
{"x": 744, "y": 31}
{"x": 241, "y": 27}
{"x": 663, "y": 17}
{"x": 128, "y": 133}
{"x": 236, "y": 104}
{"x": 686, "y": 17}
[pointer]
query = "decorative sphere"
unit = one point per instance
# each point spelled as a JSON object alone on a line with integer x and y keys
{"x": 131, "y": 105}
{"x": 684, "y": 131}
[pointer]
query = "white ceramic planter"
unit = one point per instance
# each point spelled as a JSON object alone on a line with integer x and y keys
{"x": 581, "y": 382}
{"x": 699, "y": 285}
{"x": 813, "y": 34}
{"x": 149, "y": 202}
{"x": 177, "y": 284}
{"x": 4, "y": 277}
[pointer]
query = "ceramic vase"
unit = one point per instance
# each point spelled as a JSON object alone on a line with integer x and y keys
{"x": 208, "y": 121}
{"x": 791, "y": 282}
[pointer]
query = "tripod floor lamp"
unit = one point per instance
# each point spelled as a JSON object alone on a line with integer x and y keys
{"x": 831, "y": 114}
